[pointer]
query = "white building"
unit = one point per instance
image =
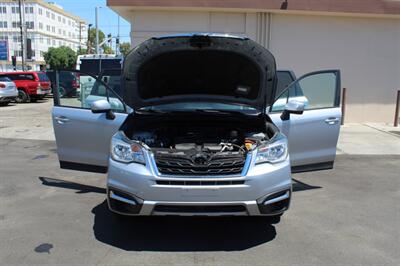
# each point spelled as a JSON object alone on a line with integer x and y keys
{"x": 360, "y": 37}
{"x": 47, "y": 25}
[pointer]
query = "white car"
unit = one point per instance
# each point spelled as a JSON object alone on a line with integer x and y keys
{"x": 8, "y": 91}
{"x": 200, "y": 129}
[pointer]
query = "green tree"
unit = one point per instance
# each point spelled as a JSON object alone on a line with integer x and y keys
{"x": 125, "y": 48}
{"x": 92, "y": 41}
{"x": 92, "y": 37}
{"x": 61, "y": 57}
{"x": 107, "y": 49}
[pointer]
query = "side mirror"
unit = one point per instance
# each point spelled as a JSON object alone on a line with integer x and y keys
{"x": 293, "y": 107}
{"x": 102, "y": 106}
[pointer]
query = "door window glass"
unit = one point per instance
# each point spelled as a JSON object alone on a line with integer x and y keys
{"x": 280, "y": 103}
{"x": 80, "y": 90}
{"x": 315, "y": 90}
{"x": 319, "y": 90}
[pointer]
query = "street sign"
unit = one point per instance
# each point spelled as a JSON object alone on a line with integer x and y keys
{"x": 4, "y": 50}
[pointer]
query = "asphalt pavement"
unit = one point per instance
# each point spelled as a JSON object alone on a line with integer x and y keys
{"x": 48, "y": 216}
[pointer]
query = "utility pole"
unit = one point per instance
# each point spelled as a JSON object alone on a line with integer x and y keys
{"x": 80, "y": 37}
{"x": 21, "y": 26}
{"x": 117, "y": 42}
{"x": 89, "y": 45}
{"x": 97, "y": 30}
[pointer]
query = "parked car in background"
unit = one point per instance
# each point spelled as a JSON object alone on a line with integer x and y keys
{"x": 31, "y": 86}
{"x": 8, "y": 91}
{"x": 68, "y": 83}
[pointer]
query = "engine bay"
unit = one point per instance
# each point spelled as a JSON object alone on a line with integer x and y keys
{"x": 200, "y": 145}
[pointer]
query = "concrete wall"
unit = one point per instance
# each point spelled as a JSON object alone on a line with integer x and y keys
{"x": 146, "y": 24}
{"x": 367, "y": 50}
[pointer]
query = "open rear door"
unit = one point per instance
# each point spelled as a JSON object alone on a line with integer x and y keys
{"x": 312, "y": 135}
{"x": 83, "y": 136}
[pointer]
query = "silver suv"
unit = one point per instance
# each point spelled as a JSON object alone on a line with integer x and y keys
{"x": 198, "y": 128}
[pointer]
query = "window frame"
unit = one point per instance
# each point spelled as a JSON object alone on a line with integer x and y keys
{"x": 57, "y": 98}
{"x": 337, "y": 90}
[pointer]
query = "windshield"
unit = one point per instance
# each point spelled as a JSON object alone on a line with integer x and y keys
{"x": 190, "y": 106}
{"x": 4, "y": 79}
{"x": 42, "y": 76}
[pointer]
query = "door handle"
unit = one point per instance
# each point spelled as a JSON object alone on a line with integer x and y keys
{"x": 332, "y": 120}
{"x": 61, "y": 119}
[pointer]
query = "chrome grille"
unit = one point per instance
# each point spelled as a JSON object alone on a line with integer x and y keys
{"x": 218, "y": 165}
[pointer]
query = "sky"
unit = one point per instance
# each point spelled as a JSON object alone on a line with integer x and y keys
{"x": 108, "y": 19}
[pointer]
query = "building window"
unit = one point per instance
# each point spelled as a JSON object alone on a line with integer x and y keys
{"x": 29, "y": 10}
{"x": 48, "y": 14}
{"x": 17, "y": 53}
{"x": 41, "y": 39}
{"x": 40, "y": 25}
{"x": 59, "y": 31}
{"x": 15, "y": 9}
{"x": 69, "y": 22}
{"x": 48, "y": 27}
{"x": 53, "y": 17}
{"x": 40, "y": 11}
{"x": 64, "y": 33}
{"x": 3, "y": 37}
{"x": 53, "y": 29}
{"x": 59, "y": 19}
{"x": 3, "y": 24}
{"x": 64, "y": 20}
{"x": 54, "y": 42}
{"x": 3, "y": 9}
{"x": 16, "y": 38}
{"x": 48, "y": 41}
{"x": 30, "y": 25}
{"x": 16, "y": 24}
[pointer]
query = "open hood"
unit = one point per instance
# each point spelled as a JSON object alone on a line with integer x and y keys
{"x": 199, "y": 68}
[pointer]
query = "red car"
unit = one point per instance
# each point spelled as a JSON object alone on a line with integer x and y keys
{"x": 32, "y": 86}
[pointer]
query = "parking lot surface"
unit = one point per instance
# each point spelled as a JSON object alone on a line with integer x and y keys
{"x": 349, "y": 215}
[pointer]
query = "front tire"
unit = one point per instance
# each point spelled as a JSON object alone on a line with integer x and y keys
{"x": 22, "y": 97}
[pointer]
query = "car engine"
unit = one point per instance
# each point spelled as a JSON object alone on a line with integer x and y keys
{"x": 199, "y": 144}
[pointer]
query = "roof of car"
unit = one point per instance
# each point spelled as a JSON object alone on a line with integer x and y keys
{"x": 20, "y": 72}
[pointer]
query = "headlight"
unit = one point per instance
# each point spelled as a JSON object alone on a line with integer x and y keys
{"x": 126, "y": 151}
{"x": 273, "y": 152}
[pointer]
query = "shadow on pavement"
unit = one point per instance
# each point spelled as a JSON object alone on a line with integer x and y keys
{"x": 81, "y": 188}
{"x": 175, "y": 233}
{"x": 301, "y": 186}
{"x": 180, "y": 233}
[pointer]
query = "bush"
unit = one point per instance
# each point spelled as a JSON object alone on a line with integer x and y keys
{"x": 61, "y": 57}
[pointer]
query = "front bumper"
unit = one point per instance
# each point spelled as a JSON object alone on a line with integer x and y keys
{"x": 135, "y": 189}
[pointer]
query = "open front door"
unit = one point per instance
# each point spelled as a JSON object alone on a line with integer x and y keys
{"x": 312, "y": 135}
{"x": 86, "y": 113}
